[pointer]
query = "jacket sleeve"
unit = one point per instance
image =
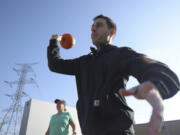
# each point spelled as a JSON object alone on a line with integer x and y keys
{"x": 146, "y": 69}
{"x": 59, "y": 65}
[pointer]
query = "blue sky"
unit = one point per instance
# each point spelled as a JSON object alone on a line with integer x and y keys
{"x": 150, "y": 27}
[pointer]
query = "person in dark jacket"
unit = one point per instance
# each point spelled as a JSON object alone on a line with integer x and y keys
{"x": 101, "y": 78}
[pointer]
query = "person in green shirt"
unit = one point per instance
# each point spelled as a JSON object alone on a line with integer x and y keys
{"x": 59, "y": 123}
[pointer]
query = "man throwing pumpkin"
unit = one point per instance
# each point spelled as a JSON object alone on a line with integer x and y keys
{"x": 101, "y": 78}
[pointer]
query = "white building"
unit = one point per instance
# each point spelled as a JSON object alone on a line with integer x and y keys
{"x": 37, "y": 114}
{"x": 36, "y": 117}
{"x": 169, "y": 128}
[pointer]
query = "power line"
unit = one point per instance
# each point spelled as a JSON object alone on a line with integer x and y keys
{"x": 13, "y": 115}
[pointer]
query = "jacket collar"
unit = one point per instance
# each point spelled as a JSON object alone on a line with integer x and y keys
{"x": 103, "y": 48}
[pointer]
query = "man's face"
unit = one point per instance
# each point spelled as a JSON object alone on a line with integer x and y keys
{"x": 60, "y": 106}
{"x": 100, "y": 31}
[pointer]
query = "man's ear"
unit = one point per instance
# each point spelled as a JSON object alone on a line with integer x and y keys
{"x": 112, "y": 32}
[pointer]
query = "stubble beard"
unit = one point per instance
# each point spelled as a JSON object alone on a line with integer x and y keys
{"x": 102, "y": 40}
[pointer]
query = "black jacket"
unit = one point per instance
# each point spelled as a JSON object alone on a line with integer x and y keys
{"x": 99, "y": 75}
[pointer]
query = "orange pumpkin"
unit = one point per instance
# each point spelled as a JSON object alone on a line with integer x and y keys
{"x": 67, "y": 41}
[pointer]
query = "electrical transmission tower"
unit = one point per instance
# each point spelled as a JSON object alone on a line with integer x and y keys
{"x": 13, "y": 115}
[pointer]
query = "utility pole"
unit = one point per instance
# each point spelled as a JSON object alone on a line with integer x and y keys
{"x": 13, "y": 115}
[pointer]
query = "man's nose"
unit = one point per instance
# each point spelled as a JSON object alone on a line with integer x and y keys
{"x": 93, "y": 28}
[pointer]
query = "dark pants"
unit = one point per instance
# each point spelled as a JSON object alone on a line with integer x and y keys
{"x": 117, "y": 133}
{"x": 112, "y": 133}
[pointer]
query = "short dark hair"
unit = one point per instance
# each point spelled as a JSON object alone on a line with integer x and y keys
{"x": 59, "y": 100}
{"x": 109, "y": 21}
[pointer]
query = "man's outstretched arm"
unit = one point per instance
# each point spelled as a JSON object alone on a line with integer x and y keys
{"x": 149, "y": 92}
{"x": 55, "y": 61}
